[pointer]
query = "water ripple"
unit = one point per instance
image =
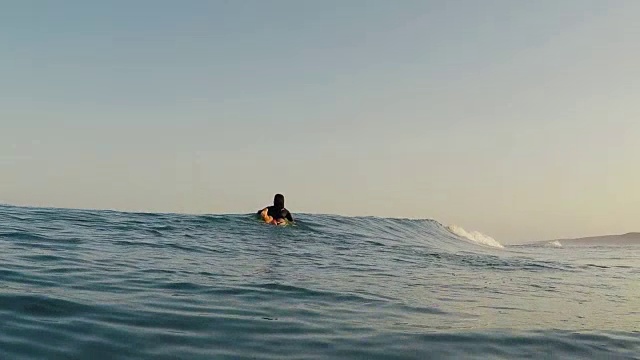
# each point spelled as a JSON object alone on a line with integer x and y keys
{"x": 81, "y": 284}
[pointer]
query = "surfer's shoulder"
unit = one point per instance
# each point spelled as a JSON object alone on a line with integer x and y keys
{"x": 287, "y": 215}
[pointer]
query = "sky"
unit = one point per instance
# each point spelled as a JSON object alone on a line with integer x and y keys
{"x": 516, "y": 119}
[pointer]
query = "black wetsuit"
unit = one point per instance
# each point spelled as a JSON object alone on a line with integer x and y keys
{"x": 278, "y": 214}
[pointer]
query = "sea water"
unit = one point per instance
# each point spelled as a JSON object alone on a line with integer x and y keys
{"x": 78, "y": 284}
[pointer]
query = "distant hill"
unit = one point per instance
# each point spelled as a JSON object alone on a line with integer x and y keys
{"x": 632, "y": 238}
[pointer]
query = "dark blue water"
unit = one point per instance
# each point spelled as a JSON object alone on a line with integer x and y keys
{"x": 108, "y": 285}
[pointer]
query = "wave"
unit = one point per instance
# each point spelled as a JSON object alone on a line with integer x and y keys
{"x": 182, "y": 227}
{"x": 554, "y": 243}
{"x": 475, "y": 236}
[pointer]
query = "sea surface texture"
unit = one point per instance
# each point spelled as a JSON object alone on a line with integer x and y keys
{"x": 78, "y": 284}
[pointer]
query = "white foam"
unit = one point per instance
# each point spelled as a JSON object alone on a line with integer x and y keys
{"x": 475, "y": 236}
{"x": 555, "y": 243}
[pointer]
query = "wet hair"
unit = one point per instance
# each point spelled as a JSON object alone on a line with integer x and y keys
{"x": 278, "y": 201}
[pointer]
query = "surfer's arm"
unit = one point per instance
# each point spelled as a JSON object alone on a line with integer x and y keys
{"x": 289, "y": 217}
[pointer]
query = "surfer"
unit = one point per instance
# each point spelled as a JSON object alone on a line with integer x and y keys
{"x": 277, "y": 213}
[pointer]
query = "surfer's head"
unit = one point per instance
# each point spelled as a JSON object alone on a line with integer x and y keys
{"x": 278, "y": 201}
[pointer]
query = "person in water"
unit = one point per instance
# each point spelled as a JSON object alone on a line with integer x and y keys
{"x": 276, "y": 213}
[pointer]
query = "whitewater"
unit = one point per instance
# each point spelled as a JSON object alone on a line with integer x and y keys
{"x": 80, "y": 284}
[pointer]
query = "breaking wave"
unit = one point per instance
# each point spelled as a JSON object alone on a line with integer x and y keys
{"x": 475, "y": 236}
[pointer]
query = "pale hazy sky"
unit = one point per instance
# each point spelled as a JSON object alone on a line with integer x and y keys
{"x": 520, "y": 119}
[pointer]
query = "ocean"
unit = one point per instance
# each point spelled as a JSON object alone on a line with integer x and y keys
{"x": 79, "y": 284}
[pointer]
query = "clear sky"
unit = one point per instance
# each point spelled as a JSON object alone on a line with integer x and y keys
{"x": 518, "y": 119}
